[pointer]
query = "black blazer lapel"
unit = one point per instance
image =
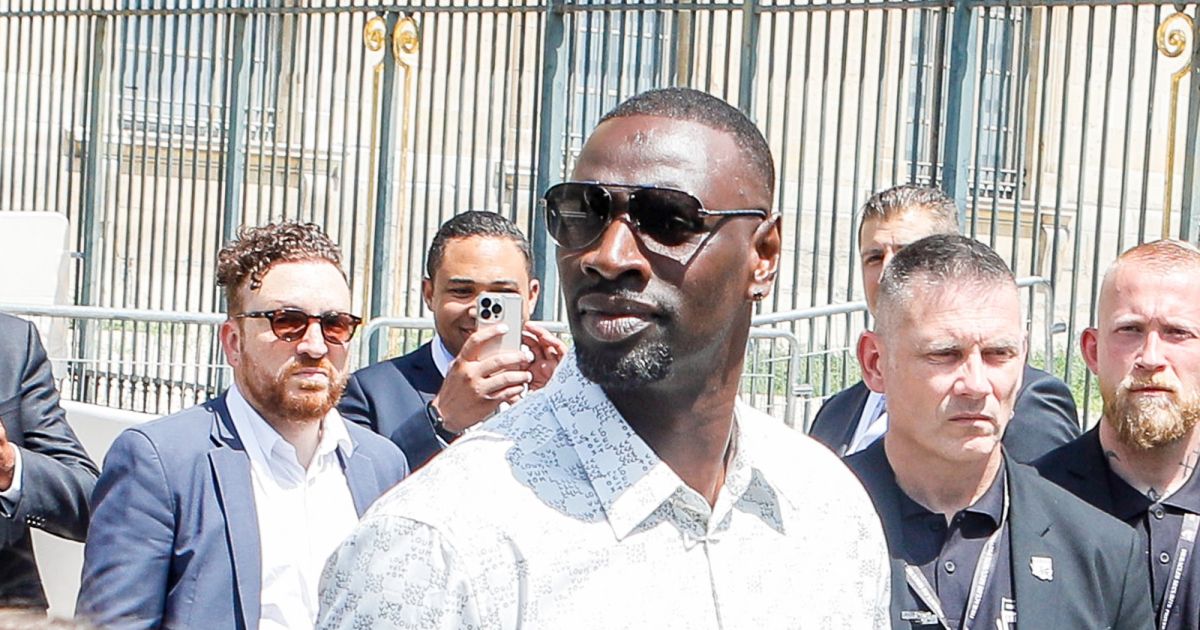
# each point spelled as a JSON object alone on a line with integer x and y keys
{"x": 231, "y": 473}
{"x": 1034, "y": 549}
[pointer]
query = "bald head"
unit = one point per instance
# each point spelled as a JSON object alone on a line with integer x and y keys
{"x": 1161, "y": 257}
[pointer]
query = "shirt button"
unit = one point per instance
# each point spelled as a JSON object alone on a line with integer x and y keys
{"x": 1164, "y": 557}
{"x": 950, "y": 566}
{"x": 1159, "y": 513}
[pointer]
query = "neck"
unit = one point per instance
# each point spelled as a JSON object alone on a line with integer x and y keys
{"x": 1156, "y": 472}
{"x": 941, "y": 485}
{"x": 302, "y": 434}
{"x": 688, "y": 426}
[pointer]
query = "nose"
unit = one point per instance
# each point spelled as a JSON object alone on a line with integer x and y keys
{"x": 313, "y": 342}
{"x": 616, "y": 252}
{"x": 1151, "y": 357}
{"x": 973, "y": 380}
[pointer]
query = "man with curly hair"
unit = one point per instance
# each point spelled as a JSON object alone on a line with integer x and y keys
{"x": 222, "y": 515}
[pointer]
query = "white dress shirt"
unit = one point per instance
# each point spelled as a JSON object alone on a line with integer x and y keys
{"x": 302, "y": 514}
{"x": 872, "y": 424}
{"x": 562, "y": 517}
{"x": 441, "y": 354}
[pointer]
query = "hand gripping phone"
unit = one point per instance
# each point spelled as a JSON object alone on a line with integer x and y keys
{"x": 492, "y": 309}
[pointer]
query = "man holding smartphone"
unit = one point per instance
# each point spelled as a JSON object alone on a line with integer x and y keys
{"x": 425, "y": 399}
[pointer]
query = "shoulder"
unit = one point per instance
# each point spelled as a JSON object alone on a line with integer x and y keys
{"x": 370, "y": 442}
{"x": 10, "y": 325}
{"x": 178, "y": 434}
{"x": 850, "y": 395}
{"x": 1057, "y": 463}
{"x": 1079, "y": 520}
{"x": 385, "y": 371}
{"x": 803, "y": 468}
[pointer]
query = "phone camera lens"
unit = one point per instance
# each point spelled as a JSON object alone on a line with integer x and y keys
{"x": 497, "y": 309}
{"x": 485, "y": 314}
{"x": 486, "y": 302}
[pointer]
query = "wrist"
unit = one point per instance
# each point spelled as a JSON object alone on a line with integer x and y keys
{"x": 438, "y": 421}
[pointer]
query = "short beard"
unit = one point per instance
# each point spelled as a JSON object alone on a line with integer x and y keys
{"x": 645, "y": 364}
{"x": 1144, "y": 423}
{"x": 310, "y": 405}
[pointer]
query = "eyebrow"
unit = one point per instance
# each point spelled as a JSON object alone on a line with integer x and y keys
{"x": 471, "y": 282}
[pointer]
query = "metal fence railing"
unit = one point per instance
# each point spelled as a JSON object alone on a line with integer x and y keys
{"x": 138, "y": 375}
{"x": 1065, "y": 129}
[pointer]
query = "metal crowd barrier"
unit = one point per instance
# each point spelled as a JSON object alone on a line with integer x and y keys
{"x": 128, "y": 370}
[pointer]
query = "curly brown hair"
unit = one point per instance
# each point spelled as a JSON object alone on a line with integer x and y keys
{"x": 256, "y": 249}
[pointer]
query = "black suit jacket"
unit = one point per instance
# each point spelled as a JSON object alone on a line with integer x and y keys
{"x": 57, "y": 475}
{"x": 1099, "y": 579}
{"x": 1080, "y": 467}
{"x": 389, "y": 398}
{"x": 1044, "y": 417}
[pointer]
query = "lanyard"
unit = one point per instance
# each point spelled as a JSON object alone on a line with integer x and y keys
{"x": 984, "y": 568}
{"x": 1183, "y": 549}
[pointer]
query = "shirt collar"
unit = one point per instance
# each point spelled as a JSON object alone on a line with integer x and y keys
{"x": 263, "y": 443}
{"x": 990, "y": 506}
{"x": 441, "y": 354}
{"x": 1129, "y": 504}
{"x": 629, "y": 479}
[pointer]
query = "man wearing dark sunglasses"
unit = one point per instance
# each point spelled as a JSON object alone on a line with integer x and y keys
{"x": 222, "y": 516}
{"x": 634, "y": 490}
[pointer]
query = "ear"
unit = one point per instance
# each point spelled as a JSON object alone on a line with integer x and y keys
{"x": 231, "y": 342}
{"x": 871, "y": 359}
{"x": 1089, "y": 347}
{"x": 427, "y": 293}
{"x": 767, "y": 242}
{"x": 535, "y": 289}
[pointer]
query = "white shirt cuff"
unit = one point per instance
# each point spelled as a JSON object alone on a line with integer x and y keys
{"x": 9, "y": 498}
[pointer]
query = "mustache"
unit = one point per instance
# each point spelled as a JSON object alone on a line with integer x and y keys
{"x": 663, "y": 306}
{"x": 1134, "y": 383}
{"x": 308, "y": 363}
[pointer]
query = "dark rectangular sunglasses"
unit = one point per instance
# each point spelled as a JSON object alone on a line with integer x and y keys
{"x": 290, "y": 324}
{"x": 671, "y": 221}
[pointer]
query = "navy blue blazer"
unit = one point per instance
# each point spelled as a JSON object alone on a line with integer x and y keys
{"x": 174, "y": 539}
{"x": 57, "y": 475}
{"x": 1044, "y": 418}
{"x": 1099, "y": 577}
{"x": 389, "y": 398}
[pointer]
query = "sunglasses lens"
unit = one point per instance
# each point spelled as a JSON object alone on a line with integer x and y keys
{"x": 576, "y": 213}
{"x": 669, "y": 217}
{"x": 289, "y": 325}
{"x": 338, "y": 327}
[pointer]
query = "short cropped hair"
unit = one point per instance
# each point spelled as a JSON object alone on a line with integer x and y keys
{"x": 897, "y": 200}
{"x": 680, "y": 103}
{"x": 475, "y": 223}
{"x": 247, "y": 259}
{"x": 938, "y": 260}
{"x": 1165, "y": 254}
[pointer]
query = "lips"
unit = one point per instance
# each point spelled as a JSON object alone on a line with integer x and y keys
{"x": 612, "y": 319}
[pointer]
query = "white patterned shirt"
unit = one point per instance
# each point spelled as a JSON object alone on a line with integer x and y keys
{"x": 555, "y": 514}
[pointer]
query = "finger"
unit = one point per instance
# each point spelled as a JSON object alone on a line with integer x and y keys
{"x": 509, "y": 395}
{"x": 495, "y": 386}
{"x": 544, "y": 345}
{"x": 474, "y": 343}
{"x": 502, "y": 362}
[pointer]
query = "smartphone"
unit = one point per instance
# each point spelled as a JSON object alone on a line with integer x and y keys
{"x": 500, "y": 308}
